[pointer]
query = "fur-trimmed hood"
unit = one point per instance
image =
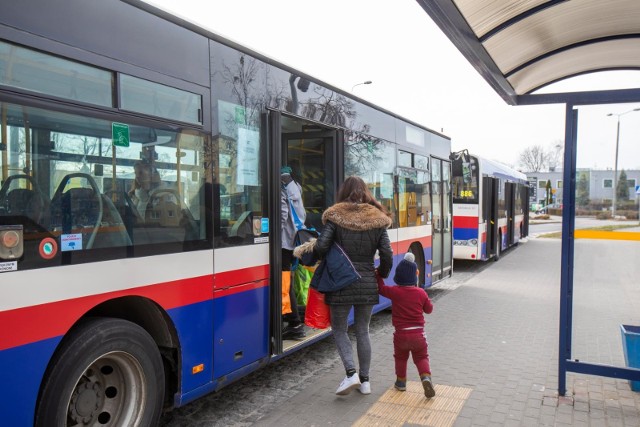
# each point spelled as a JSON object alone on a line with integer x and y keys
{"x": 356, "y": 216}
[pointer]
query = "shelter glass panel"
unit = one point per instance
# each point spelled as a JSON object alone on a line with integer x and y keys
{"x": 605, "y": 251}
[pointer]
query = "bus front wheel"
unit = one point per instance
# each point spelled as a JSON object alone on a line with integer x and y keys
{"x": 107, "y": 372}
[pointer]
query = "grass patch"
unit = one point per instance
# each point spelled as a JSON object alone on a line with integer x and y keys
{"x": 558, "y": 234}
{"x": 554, "y": 235}
{"x": 545, "y": 216}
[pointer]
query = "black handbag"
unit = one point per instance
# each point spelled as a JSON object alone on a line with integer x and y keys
{"x": 302, "y": 236}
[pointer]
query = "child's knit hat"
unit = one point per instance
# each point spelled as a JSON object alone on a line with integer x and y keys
{"x": 406, "y": 271}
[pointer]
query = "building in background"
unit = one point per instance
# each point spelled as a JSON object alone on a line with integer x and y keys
{"x": 593, "y": 184}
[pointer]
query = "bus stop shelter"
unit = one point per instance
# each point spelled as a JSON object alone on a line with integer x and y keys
{"x": 521, "y": 46}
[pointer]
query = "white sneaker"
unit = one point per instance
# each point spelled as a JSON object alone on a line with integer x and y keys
{"x": 365, "y": 387}
{"x": 348, "y": 384}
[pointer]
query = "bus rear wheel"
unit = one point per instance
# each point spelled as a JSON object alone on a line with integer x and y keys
{"x": 107, "y": 372}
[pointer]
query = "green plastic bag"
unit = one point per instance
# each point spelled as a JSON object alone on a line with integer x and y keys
{"x": 301, "y": 280}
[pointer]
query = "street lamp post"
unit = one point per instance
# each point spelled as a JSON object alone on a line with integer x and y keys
{"x": 615, "y": 164}
{"x": 368, "y": 82}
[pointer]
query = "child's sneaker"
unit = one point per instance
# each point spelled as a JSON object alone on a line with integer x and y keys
{"x": 365, "y": 387}
{"x": 400, "y": 385}
{"x": 348, "y": 384}
{"x": 429, "y": 391}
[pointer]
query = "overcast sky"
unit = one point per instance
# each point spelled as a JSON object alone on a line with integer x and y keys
{"x": 416, "y": 73}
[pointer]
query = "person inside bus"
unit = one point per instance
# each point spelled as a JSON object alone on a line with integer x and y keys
{"x": 146, "y": 180}
{"x": 292, "y": 216}
{"x": 358, "y": 222}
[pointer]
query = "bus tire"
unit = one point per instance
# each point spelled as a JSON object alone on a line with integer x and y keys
{"x": 496, "y": 257}
{"x": 106, "y": 372}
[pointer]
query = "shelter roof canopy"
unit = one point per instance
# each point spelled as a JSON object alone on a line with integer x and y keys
{"x": 520, "y": 46}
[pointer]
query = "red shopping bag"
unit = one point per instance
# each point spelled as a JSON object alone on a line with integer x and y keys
{"x": 317, "y": 313}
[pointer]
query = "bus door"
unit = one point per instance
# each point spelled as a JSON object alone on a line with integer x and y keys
{"x": 311, "y": 157}
{"x": 490, "y": 213}
{"x": 524, "y": 197}
{"x": 313, "y": 152}
{"x": 441, "y": 245}
{"x": 412, "y": 205}
{"x": 510, "y": 198}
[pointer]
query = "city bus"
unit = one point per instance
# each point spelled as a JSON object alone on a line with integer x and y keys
{"x": 140, "y": 242}
{"x": 490, "y": 207}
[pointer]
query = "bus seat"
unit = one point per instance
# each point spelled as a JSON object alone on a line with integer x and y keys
{"x": 115, "y": 232}
{"x": 169, "y": 217}
{"x": 242, "y": 227}
{"x": 127, "y": 211}
{"x": 22, "y": 201}
{"x": 29, "y": 202}
{"x": 163, "y": 208}
{"x": 77, "y": 210}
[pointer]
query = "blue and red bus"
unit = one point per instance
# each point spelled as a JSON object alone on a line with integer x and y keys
{"x": 490, "y": 207}
{"x": 139, "y": 207}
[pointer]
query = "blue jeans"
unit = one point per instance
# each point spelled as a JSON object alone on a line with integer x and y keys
{"x": 362, "y": 317}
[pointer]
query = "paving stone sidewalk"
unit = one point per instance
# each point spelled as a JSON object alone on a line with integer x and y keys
{"x": 496, "y": 335}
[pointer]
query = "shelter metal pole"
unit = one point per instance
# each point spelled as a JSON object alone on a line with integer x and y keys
{"x": 615, "y": 173}
{"x": 568, "y": 227}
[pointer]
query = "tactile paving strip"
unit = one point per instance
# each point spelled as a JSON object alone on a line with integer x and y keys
{"x": 397, "y": 408}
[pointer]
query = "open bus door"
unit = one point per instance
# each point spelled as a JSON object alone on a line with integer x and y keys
{"x": 315, "y": 154}
{"x": 490, "y": 214}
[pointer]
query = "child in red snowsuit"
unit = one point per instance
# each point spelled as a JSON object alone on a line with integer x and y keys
{"x": 409, "y": 302}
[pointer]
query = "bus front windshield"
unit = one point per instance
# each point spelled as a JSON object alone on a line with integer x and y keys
{"x": 465, "y": 179}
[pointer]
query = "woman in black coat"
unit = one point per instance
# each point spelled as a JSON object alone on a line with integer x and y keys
{"x": 359, "y": 224}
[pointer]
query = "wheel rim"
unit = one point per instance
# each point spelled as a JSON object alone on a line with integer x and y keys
{"x": 110, "y": 392}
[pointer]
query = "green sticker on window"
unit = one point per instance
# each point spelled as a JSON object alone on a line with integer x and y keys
{"x": 120, "y": 134}
{"x": 240, "y": 115}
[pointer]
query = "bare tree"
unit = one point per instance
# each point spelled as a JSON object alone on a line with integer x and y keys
{"x": 556, "y": 154}
{"x": 534, "y": 159}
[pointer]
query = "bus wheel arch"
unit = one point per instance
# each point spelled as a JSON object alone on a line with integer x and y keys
{"x": 106, "y": 371}
{"x": 418, "y": 251}
{"x": 140, "y": 312}
{"x": 153, "y": 319}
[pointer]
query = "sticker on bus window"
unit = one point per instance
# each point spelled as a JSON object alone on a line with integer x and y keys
{"x": 261, "y": 239}
{"x": 71, "y": 242}
{"x": 8, "y": 266}
{"x": 264, "y": 225}
{"x": 48, "y": 248}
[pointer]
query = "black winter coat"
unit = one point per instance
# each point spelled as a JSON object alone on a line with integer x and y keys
{"x": 360, "y": 229}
